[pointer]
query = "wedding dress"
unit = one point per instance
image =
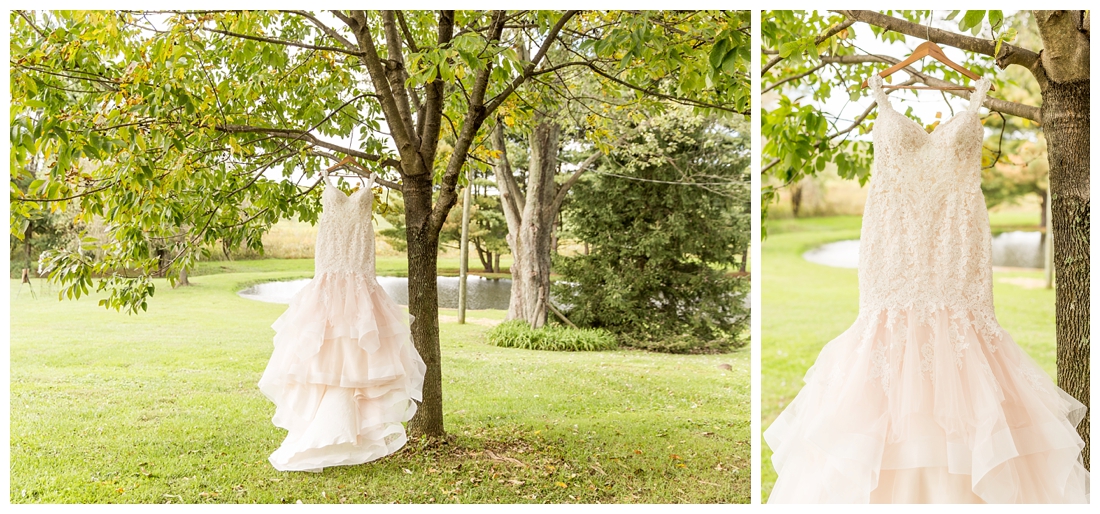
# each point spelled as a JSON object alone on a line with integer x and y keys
{"x": 344, "y": 372}
{"x": 926, "y": 398}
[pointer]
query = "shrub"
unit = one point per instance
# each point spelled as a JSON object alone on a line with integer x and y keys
{"x": 518, "y": 334}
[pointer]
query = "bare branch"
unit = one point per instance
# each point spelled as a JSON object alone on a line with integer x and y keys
{"x": 1009, "y": 54}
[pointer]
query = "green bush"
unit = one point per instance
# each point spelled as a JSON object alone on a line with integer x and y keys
{"x": 518, "y": 334}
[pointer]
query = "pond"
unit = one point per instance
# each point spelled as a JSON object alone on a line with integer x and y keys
{"x": 481, "y": 293}
{"x": 1010, "y": 249}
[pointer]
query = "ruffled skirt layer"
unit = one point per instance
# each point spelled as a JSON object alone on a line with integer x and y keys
{"x": 906, "y": 409}
{"x": 344, "y": 374}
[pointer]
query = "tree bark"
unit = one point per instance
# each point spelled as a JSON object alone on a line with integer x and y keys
{"x": 423, "y": 253}
{"x": 1065, "y": 114}
{"x": 531, "y": 251}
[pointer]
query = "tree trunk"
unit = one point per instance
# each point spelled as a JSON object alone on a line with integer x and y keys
{"x": 484, "y": 256}
{"x": 423, "y": 252}
{"x": 496, "y": 263}
{"x": 1043, "y": 218}
{"x": 796, "y": 198}
{"x": 531, "y": 265}
{"x": 183, "y": 282}
{"x": 1065, "y": 116}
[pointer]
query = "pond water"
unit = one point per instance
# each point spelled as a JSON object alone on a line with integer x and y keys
{"x": 481, "y": 293}
{"x": 1010, "y": 249}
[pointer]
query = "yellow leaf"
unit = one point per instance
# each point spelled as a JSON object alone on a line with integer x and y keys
{"x": 561, "y": 485}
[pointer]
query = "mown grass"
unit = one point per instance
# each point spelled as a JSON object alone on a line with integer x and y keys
{"x": 806, "y": 305}
{"x": 163, "y": 407}
{"x": 392, "y": 266}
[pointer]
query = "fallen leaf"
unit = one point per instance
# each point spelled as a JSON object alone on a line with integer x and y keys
{"x": 560, "y": 484}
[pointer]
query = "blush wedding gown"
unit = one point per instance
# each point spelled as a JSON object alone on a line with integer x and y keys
{"x": 926, "y": 399}
{"x": 344, "y": 372}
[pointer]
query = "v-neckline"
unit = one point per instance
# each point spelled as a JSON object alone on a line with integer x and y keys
{"x": 890, "y": 106}
{"x": 349, "y": 196}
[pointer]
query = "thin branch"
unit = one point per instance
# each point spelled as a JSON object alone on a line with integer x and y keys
{"x": 324, "y": 28}
{"x": 282, "y": 41}
{"x": 994, "y": 104}
{"x": 311, "y": 139}
{"x": 794, "y": 77}
{"x": 817, "y": 41}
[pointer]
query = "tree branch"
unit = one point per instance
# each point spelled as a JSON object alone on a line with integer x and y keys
{"x": 395, "y": 71}
{"x": 1009, "y": 54}
{"x": 817, "y": 41}
{"x": 377, "y": 71}
{"x": 529, "y": 70}
{"x": 794, "y": 77}
{"x": 324, "y": 28}
{"x": 563, "y": 190}
{"x": 1016, "y": 109}
{"x": 302, "y": 135}
{"x": 377, "y": 179}
{"x": 511, "y": 199}
{"x": 281, "y": 41}
{"x": 409, "y": 41}
{"x": 430, "y": 118}
{"x": 475, "y": 115}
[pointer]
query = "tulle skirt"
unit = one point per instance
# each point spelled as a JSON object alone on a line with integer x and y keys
{"x": 907, "y": 409}
{"x": 344, "y": 374}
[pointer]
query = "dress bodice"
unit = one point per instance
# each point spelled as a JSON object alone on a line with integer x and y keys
{"x": 925, "y": 242}
{"x": 345, "y": 235}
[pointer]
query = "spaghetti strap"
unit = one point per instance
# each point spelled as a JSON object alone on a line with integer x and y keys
{"x": 875, "y": 82}
{"x": 324, "y": 176}
{"x": 978, "y": 96}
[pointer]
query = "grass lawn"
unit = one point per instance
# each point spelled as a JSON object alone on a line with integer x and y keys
{"x": 163, "y": 407}
{"x": 806, "y": 305}
{"x": 397, "y": 266}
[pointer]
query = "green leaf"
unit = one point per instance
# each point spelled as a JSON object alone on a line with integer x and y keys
{"x": 995, "y": 19}
{"x": 786, "y": 49}
{"x": 718, "y": 53}
{"x": 971, "y": 19}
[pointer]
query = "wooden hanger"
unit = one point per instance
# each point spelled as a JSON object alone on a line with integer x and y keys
{"x": 343, "y": 162}
{"x": 930, "y": 49}
{"x": 350, "y": 160}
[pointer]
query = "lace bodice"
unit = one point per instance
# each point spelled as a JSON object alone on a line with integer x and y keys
{"x": 345, "y": 236}
{"x": 925, "y": 243}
